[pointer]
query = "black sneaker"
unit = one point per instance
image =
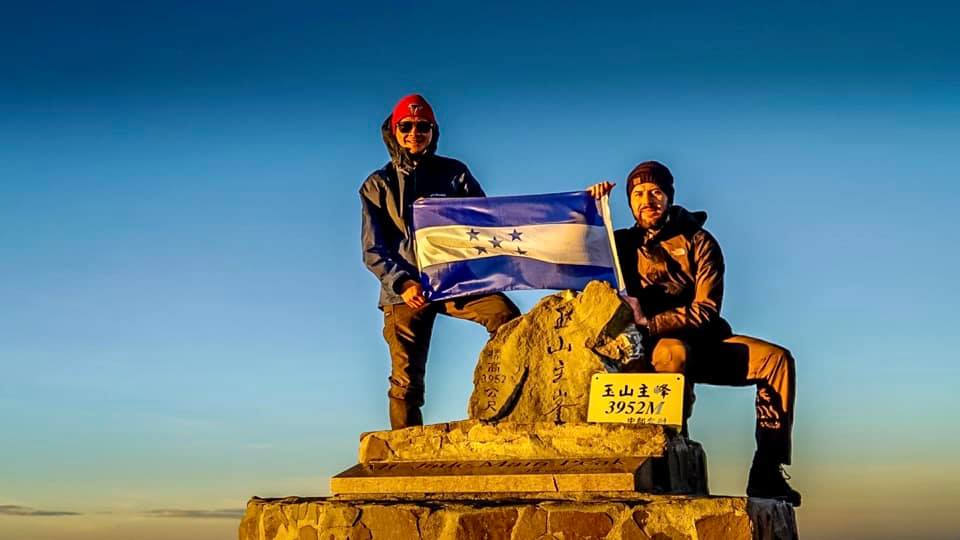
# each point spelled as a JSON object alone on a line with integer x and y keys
{"x": 769, "y": 481}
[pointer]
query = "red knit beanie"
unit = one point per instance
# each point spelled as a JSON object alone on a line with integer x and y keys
{"x": 412, "y": 105}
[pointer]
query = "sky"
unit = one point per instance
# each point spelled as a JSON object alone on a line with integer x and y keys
{"x": 185, "y": 320}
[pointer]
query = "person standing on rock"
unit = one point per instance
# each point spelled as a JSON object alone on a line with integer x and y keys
{"x": 673, "y": 274}
{"x": 411, "y": 133}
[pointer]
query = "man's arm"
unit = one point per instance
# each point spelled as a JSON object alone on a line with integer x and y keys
{"x": 390, "y": 269}
{"x": 705, "y": 308}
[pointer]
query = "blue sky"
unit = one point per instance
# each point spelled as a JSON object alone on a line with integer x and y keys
{"x": 185, "y": 321}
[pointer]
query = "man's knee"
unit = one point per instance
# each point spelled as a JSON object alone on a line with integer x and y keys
{"x": 670, "y": 356}
{"x": 782, "y": 359}
{"x": 502, "y": 318}
{"x": 503, "y": 311}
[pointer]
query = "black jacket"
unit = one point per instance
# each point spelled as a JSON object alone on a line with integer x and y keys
{"x": 386, "y": 198}
{"x": 676, "y": 272}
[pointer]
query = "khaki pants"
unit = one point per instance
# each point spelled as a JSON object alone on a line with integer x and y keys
{"x": 740, "y": 361}
{"x": 408, "y": 332}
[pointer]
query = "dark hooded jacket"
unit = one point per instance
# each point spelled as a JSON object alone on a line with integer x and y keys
{"x": 676, "y": 272}
{"x": 386, "y": 199}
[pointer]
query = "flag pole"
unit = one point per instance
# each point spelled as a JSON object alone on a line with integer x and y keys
{"x": 608, "y": 224}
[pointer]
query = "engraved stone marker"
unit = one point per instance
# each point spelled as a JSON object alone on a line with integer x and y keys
{"x": 538, "y": 367}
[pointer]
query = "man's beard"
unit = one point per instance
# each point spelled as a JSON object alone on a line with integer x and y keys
{"x": 650, "y": 222}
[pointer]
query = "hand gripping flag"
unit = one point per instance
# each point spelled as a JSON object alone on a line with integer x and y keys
{"x": 481, "y": 245}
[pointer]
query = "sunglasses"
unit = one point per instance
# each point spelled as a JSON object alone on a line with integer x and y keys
{"x": 422, "y": 126}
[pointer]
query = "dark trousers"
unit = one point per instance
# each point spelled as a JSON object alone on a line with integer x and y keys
{"x": 741, "y": 361}
{"x": 408, "y": 332}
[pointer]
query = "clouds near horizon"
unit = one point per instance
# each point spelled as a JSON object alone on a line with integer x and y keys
{"x": 17, "y": 510}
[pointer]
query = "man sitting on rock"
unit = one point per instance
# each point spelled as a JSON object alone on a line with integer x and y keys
{"x": 673, "y": 273}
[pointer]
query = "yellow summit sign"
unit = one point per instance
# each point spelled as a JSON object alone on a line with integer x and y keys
{"x": 636, "y": 398}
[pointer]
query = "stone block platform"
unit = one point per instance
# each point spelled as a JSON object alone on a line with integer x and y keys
{"x": 473, "y": 456}
{"x": 504, "y": 516}
{"x": 476, "y": 439}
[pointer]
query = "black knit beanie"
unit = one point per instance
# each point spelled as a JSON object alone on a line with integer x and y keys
{"x": 653, "y": 172}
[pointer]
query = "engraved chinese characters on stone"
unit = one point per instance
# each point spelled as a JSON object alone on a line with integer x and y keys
{"x": 538, "y": 367}
{"x": 495, "y": 384}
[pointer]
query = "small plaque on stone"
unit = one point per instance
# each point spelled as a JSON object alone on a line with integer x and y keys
{"x": 636, "y": 398}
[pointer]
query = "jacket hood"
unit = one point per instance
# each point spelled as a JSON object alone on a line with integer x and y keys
{"x": 685, "y": 220}
{"x": 401, "y": 158}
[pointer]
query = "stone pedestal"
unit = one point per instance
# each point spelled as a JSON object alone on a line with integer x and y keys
{"x": 496, "y": 476}
{"x": 475, "y": 439}
{"x": 527, "y": 465}
{"x": 473, "y": 456}
{"x": 530, "y": 517}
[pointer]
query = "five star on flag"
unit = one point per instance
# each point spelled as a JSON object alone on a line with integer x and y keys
{"x": 496, "y": 243}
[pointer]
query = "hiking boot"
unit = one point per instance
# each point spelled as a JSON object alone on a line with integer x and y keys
{"x": 768, "y": 480}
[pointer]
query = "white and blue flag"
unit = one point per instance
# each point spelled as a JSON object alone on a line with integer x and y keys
{"x": 480, "y": 245}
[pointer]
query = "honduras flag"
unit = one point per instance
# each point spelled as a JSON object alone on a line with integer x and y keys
{"x": 481, "y": 245}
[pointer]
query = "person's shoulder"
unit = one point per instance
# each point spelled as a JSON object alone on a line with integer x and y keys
{"x": 703, "y": 240}
{"x": 705, "y": 235}
{"x": 375, "y": 180}
{"x": 689, "y": 224}
{"x": 450, "y": 164}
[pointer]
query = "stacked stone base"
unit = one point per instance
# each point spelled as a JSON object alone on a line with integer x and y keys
{"x": 472, "y": 456}
{"x": 611, "y": 516}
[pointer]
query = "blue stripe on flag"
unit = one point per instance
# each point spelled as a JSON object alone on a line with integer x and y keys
{"x": 572, "y": 207}
{"x": 507, "y": 273}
